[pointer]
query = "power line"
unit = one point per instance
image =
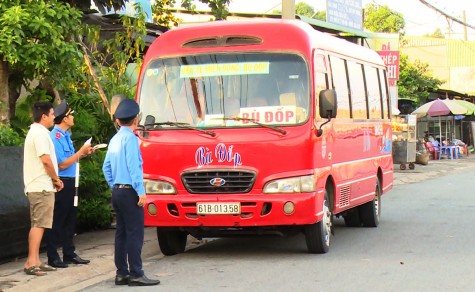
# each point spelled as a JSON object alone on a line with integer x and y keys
{"x": 446, "y": 15}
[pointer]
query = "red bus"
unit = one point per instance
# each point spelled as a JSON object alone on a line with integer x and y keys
{"x": 262, "y": 127}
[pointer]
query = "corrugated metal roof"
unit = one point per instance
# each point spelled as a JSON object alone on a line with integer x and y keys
{"x": 459, "y": 53}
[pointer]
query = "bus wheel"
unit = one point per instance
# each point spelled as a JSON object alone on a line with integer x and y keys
{"x": 171, "y": 241}
{"x": 318, "y": 235}
{"x": 371, "y": 211}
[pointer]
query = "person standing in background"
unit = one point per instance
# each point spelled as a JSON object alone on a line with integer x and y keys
{"x": 40, "y": 175}
{"x": 64, "y": 218}
{"x": 124, "y": 173}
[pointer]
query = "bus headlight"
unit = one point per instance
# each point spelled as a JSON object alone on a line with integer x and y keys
{"x": 158, "y": 187}
{"x": 301, "y": 184}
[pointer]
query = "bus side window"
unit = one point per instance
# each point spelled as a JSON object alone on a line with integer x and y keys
{"x": 372, "y": 88}
{"x": 384, "y": 93}
{"x": 321, "y": 83}
{"x": 340, "y": 83}
{"x": 358, "y": 96}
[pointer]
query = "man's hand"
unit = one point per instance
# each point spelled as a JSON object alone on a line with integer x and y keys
{"x": 142, "y": 200}
{"x": 58, "y": 185}
{"x": 85, "y": 150}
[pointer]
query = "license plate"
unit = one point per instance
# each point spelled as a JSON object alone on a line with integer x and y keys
{"x": 218, "y": 208}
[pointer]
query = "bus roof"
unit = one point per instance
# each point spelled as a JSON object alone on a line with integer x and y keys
{"x": 275, "y": 34}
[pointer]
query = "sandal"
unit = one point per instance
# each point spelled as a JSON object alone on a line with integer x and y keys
{"x": 47, "y": 268}
{"x": 34, "y": 271}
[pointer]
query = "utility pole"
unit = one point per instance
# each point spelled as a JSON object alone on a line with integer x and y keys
{"x": 288, "y": 9}
{"x": 464, "y": 26}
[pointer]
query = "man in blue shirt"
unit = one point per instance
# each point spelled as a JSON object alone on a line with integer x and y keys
{"x": 124, "y": 173}
{"x": 64, "y": 217}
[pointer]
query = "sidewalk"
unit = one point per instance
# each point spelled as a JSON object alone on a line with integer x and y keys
{"x": 98, "y": 246}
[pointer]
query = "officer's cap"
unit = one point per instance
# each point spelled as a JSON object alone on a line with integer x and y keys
{"x": 62, "y": 110}
{"x": 127, "y": 108}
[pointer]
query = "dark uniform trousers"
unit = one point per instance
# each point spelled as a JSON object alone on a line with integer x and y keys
{"x": 64, "y": 223}
{"x": 129, "y": 233}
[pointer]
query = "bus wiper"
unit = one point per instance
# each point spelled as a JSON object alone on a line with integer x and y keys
{"x": 179, "y": 125}
{"x": 283, "y": 132}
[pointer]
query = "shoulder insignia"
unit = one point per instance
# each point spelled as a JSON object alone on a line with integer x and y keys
{"x": 58, "y": 135}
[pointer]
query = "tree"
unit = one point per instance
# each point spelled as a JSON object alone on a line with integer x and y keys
{"x": 320, "y": 15}
{"x": 35, "y": 44}
{"x": 415, "y": 80}
{"x": 304, "y": 9}
{"x": 382, "y": 19}
{"x": 102, "y": 5}
{"x": 436, "y": 34}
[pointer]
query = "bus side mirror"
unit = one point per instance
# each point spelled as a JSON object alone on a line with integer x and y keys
{"x": 327, "y": 106}
{"x": 327, "y": 103}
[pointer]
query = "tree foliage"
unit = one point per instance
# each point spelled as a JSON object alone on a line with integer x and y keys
{"x": 436, "y": 34}
{"x": 415, "y": 80}
{"x": 304, "y": 9}
{"x": 35, "y": 43}
{"x": 379, "y": 18}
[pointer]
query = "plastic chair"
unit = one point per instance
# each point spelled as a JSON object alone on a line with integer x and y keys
{"x": 432, "y": 150}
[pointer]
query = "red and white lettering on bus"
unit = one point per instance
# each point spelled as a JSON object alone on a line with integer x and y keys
{"x": 233, "y": 142}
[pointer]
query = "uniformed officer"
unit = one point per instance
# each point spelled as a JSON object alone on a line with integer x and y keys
{"x": 64, "y": 218}
{"x": 124, "y": 173}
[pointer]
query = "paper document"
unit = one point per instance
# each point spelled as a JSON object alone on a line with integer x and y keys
{"x": 99, "y": 146}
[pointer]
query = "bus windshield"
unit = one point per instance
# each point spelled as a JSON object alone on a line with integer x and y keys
{"x": 224, "y": 90}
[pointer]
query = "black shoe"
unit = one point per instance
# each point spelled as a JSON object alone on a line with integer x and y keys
{"x": 122, "y": 280}
{"x": 76, "y": 260}
{"x": 57, "y": 263}
{"x": 142, "y": 281}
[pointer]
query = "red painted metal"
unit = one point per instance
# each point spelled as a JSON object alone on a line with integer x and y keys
{"x": 350, "y": 155}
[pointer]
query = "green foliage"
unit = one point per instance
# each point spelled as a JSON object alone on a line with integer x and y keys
{"x": 382, "y": 19}
{"x": 34, "y": 37}
{"x": 415, "y": 80}
{"x": 35, "y": 43}
{"x": 162, "y": 14}
{"x": 219, "y": 8}
{"x": 436, "y": 34}
{"x": 94, "y": 205}
{"x": 321, "y": 15}
{"x": 304, "y": 9}
{"x": 123, "y": 48}
{"x": 94, "y": 214}
{"x": 23, "y": 119}
{"x": 8, "y": 136}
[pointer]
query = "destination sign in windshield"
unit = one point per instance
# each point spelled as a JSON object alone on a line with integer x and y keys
{"x": 242, "y": 68}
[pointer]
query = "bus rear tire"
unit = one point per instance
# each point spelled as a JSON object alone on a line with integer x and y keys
{"x": 171, "y": 241}
{"x": 317, "y": 235}
{"x": 370, "y": 212}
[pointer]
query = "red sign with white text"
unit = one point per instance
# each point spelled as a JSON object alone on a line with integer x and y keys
{"x": 391, "y": 59}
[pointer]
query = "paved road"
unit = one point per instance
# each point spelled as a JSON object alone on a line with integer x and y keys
{"x": 98, "y": 246}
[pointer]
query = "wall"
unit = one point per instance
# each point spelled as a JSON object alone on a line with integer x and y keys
{"x": 14, "y": 207}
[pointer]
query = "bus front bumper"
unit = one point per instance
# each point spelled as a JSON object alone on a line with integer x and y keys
{"x": 255, "y": 210}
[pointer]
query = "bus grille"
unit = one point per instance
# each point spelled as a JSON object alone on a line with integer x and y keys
{"x": 218, "y": 181}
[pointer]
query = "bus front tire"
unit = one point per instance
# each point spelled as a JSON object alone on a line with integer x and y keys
{"x": 317, "y": 235}
{"x": 171, "y": 242}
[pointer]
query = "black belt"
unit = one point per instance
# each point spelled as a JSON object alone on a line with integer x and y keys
{"x": 119, "y": 186}
{"x": 66, "y": 178}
